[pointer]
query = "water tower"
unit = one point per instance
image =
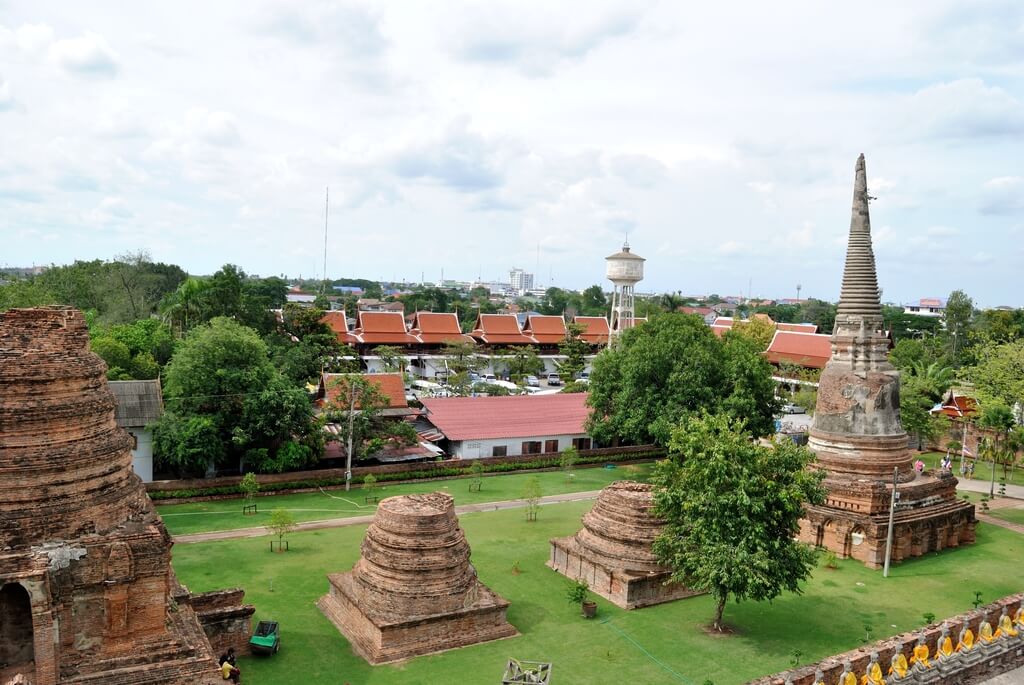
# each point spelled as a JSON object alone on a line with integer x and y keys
{"x": 624, "y": 269}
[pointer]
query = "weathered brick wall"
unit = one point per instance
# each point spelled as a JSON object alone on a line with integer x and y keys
{"x": 359, "y": 471}
{"x": 225, "y": 618}
{"x": 1003, "y": 655}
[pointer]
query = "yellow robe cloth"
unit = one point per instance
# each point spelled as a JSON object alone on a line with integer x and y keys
{"x": 873, "y": 676}
{"x": 921, "y": 654}
{"x": 967, "y": 643}
{"x": 985, "y": 632}
{"x": 1018, "y": 617}
{"x": 900, "y": 667}
{"x": 848, "y": 679}
{"x": 944, "y": 648}
{"x": 1006, "y": 627}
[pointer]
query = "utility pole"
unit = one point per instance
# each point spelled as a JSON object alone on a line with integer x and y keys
{"x": 327, "y": 207}
{"x": 992, "y": 486}
{"x": 351, "y": 421}
{"x": 892, "y": 516}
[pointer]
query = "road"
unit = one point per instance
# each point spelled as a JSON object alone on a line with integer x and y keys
{"x": 362, "y": 520}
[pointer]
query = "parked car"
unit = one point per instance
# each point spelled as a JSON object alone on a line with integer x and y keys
{"x": 266, "y": 639}
{"x": 489, "y": 377}
{"x": 583, "y": 377}
{"x": 554, "y": 379}
{"x": 790, "y": 408}
{"x": 532, "y": 382}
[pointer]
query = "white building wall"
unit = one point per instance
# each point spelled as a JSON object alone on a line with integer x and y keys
{"x": 142, "y": 454}
{"x": 474, "y": 449}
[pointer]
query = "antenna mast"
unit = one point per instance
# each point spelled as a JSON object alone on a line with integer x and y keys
{"x": 327, "y": 209}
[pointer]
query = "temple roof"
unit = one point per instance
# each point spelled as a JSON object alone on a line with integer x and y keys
{"x": 860, "y": 294}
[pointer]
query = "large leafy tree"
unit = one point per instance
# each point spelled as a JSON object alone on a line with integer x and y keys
{"x": 998, "y": 374}
{"x": 959, "y": 313}
{"x": 673, "y": 366}
{"x": 574, "y": 349}
{"x": 523, "y": 361}
{"x": 222, "y": 385}
{"x": 732, "y": 508}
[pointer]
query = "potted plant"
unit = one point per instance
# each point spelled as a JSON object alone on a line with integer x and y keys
{"x": 579, "y": 593}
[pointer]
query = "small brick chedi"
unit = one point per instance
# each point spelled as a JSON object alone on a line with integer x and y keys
{"x": 413, "y": 590}
{"x": 85, "y": 577}
{"x": 612, "y": 552}
{"x": 858, "y": 438}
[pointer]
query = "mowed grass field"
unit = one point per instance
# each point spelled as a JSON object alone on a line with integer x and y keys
{"x": 982, "y": 468}
{"x": 202, "y": 517}
{"x": 663, "y": 644}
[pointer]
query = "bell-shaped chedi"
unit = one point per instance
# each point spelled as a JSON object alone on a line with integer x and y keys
{"x": 413, "y": 590}
{"x": 612, "y": 552}
{"x": 85, "y": 578}
{"x": 857, "y": 436}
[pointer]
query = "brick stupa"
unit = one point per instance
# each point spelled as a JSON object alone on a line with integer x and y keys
{"x": 85, "y": 578}
{"x": 857, "y": 436}
{"x": 612, "y": 552}
{"x": 413, "y": 590}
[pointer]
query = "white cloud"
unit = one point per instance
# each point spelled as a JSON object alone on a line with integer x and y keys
{"x": 1003, "y": 195}
{"x": 6, "y": 99}
{"x": 215, "y": 128}
{"x": 965, "y": 109}
{"x": 86, "y": 55}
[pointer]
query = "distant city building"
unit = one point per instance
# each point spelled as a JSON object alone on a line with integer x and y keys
{"x": 520, "y": 281}
{"x": 926, "y": 306}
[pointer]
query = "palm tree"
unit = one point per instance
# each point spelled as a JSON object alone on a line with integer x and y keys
{"x": 933, "y": 377}
{"x": 182, "y": 309}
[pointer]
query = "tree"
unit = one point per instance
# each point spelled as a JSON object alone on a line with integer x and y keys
{"x": 462, "y": 359}
{"x": 998, "y": 374}
{"x": 574, "y": 349}
{"x": 391, "y": 358}
{"x": 522, "y": 362}
{"x": 115, "y": 354}
{"x": 531, "y": 495}
{"x": 249, "y": 487}
{"x": 820, "y": 313}
{"x": 916, "y": 402}
{"x": 732, "y": 509}
{"x": 567, "y": 461}
{"x": 674, "y": 366}
{"x": 757, "y": 330}
{"x": 959, "y": 312}
{"x": 355, "y": 407}
{"x": 221, "y": 373}
{"x": 593, "y": 302}
{"x": 281, "y": 523}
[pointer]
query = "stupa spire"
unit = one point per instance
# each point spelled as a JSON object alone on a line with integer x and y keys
{"x": 859, "y": 294}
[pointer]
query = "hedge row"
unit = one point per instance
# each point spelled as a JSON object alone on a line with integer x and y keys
{"x": 423, "y": 474}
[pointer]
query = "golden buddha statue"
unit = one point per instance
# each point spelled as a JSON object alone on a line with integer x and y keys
{"x": 899, "y": 666}
{"x": 1005, "y": 625}
{"x": 921, "y": 654}
{"x": 966, "y": 641}
{"x": 985, "y": 632}
{"x": 873, "y": 673}
{"x": 944, "y": 645}
{"x": 846, "y": 677}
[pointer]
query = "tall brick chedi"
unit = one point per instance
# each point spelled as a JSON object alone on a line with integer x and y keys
{"x": 87, "y": 594}
{"x": 857, "y": 435}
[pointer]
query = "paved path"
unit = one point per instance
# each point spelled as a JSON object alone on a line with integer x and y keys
{"x": 361, "y": 520}
{"x": 983, "y": 486}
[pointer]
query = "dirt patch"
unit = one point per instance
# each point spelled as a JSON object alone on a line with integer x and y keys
{"x": 726, "y": 630}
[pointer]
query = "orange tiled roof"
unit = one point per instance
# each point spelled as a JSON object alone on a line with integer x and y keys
{"x": 810, "y": 350}
{"x": 438, "y": 328}
{"x": 595, "y": 329}
{"x": 500, "y": 329}
{"x": 383, "y": 328}
{"x": 797, "y": 327}
{"x": 391, "y": 385}
{"x": 337, "y": 321}
{"x": 545, "y": 329}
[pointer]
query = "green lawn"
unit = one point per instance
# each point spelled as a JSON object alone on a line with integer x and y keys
{"x": 982, "y": 468}
{"x": 201, "y": 517}
{"x": 663, "y": 644}
{"x": 1009, "y": 514}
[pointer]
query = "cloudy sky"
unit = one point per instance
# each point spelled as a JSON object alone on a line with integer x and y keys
{"x": 720, "y": 136}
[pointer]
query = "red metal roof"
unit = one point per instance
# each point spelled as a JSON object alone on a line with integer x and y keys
{"x": 438, "y": 328}
{"x": 383, "y": 328}
{"x": 810, "y": 350}
{"x": 391, "y": 385}
{"x": 724, "y": 321}
{"x": 545, "y": 329}
{"x": 522, "y": 416}
{"x": 700, "y": 311}
{"x": 720, "y": 330}
{"x": 500, "y": 329}
{"x": 595, "y": 329}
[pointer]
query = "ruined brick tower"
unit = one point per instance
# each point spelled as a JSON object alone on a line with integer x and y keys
{"x": 413, "y": 590}
{"x": 85, "y": 577}
{"x": 857, "y": 435}
{"x": 612, "y": 551}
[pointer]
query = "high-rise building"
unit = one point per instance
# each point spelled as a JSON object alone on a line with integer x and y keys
{"x": 520, "y": 281}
